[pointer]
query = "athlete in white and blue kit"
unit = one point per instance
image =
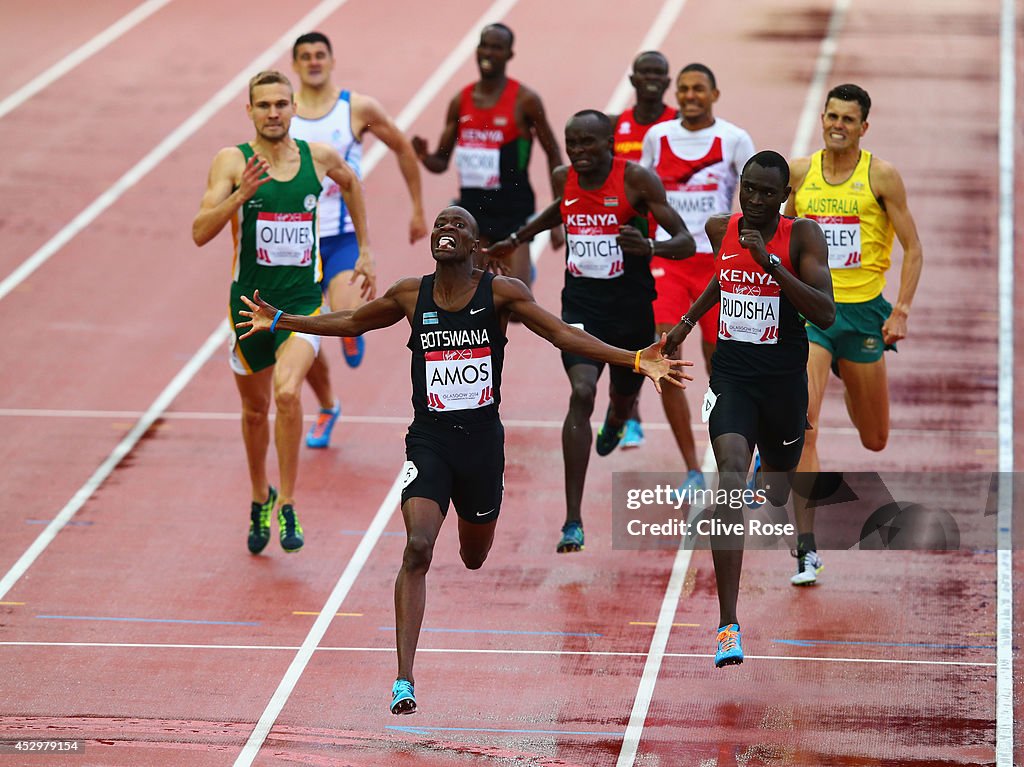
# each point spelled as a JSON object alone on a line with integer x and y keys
{"x": 341, "y": 118}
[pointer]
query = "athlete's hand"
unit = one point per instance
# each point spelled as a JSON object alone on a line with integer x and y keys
{"x": 675, "y": 338}
{"x": 365, "y": 269}
{"x": 752, "y": 240}
{"x": 255, "y": 175}
{"x": 417, "y": 227}
{"x": 657, "y": 367}
{"x": 632, "y": 242}
{"x": 260, "y": 317}
{"x": 895, "y": 327}
{"x": 498, "y": 250}
{"x": 419, "y": 146}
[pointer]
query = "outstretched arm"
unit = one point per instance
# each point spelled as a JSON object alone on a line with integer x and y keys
{"x": 438, "y": 161}
{"x": 370, "y": 115}
{"x": 398, "y": 303}
{"x": 513, "y": 296}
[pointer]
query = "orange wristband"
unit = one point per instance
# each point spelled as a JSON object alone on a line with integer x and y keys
{"x": 636, "y": 362}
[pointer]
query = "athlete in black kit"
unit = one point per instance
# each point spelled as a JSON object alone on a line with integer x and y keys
{"x": 455, "y": 444}
{"x": 769, "y": 270}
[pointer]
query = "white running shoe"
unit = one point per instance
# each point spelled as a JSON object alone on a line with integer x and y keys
{"x": 808, "y": 565}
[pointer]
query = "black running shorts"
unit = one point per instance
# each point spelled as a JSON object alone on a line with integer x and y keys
{"x": 635, "y": 331}
{"x": 770, "y": 412}
{"x": 461, "y": 465}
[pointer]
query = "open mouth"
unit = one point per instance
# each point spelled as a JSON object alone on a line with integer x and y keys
{"x": 445, "y": 242}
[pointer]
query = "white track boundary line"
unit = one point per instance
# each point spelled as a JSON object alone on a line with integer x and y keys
{"x": 1004, "y": 518}
{"x": 123, "y": 448}
{"x": 478, "y": 651}
{"x": 814, "y": 103}
{"x": 160, "y": 152}
{"x": 523, "y": 423}
{"x": 85, "y": 51}
{"x": 424, "y": 96}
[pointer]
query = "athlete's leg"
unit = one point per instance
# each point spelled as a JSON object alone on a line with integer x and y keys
{"x": 819, "y": 360}
{"x": 677, "y": 412}
{"x": 254, "y": 390}
{"x": 577, "y": 436}
{"x": 423, "y": 520}
{"x": 733, "y": 454}
{"x": 294, "y": 358}
{"x": 475, "y": 542}
{"x": 867, "y": 400}
{"x": 319, "y": 380}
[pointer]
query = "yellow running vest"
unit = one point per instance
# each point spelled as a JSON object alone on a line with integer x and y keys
{"x": 858, "y": 231}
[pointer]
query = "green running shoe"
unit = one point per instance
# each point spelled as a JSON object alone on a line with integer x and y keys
{"x": 259, "y": 522}
{"x": 291, "y": 530}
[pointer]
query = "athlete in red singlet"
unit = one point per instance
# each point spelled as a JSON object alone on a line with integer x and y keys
{"x": 769, "y": 270}
{"x": 489, "y": 129}
{"x": 650, "y": 80}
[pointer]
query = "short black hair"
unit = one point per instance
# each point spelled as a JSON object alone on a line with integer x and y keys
{"x": 702, "y": 68}
{"x": 603, "y": 119}
{"x": 769, "y": 159}
{"x": 504, "y": 28}
{"x": 851, "y": 92}
{"x": 308, "y": 39}
{"x": 659, "y": 54}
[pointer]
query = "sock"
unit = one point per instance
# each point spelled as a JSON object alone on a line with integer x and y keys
{"x": 805, "y": 542}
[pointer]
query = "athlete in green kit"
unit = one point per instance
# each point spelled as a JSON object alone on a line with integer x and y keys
{"x": 268, "y": 190}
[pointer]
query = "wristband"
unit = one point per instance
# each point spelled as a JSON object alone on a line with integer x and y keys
{"x": 273, "y": 325}
{"x": 650, "y": 241}
{"x": 686, "y": 319}
{"x": 636, "y": 361}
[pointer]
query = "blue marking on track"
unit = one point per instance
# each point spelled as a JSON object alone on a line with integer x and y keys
{"x": 929, "y": 645}
{"x": 413, "y": 730}
{"x": 500, "y": 631}
{"x": 146, "y": 620}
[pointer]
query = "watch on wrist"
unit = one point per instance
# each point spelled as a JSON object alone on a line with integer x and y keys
{"x": 774, "y": 262}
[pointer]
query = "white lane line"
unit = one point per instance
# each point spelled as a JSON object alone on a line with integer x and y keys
{"x": 80, "y": 54}
{"x": 814, "y": 103}
{"x": 1004, "y": 557}
{"x": 524, "y": 423}
{"x": 252, "y": 747}
{"x": 159, "y": 153}
{"x": 124, "y": 447}
{"x": 478, "y": 651}
{"x": 320, "y": 626}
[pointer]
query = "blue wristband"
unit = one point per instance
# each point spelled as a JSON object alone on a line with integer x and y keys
{"x": 273, "y": 325}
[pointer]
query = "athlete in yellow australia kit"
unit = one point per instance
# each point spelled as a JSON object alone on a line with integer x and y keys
{"x": 860, "y": 203}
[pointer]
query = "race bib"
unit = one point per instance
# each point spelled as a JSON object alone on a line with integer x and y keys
{"x": 749, "y": 317}
{"x": 478, "y": 167}
{"x": 284, "y": 239}
{"x": 842, "y": 233}
{"x": 593, "y": 255}
{"x": 710, "y": 398}
{"x": 459, "y": 379}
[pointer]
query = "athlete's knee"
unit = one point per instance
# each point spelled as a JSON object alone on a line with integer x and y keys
{"x": 473, "y": 560}
{"x": 419, "y": 550}
{"x": 286, "y": 396}
{"x": 255, "y": 412}
{"x": 582, "y": 396}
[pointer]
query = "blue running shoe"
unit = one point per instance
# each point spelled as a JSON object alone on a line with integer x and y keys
{"x": 403, "y": 699}
{"x": 572, "y": 537}
{"x": 634, "y": 436}
{"x": 353, "y": 349}
{"x": 730, "y": 646}
{"x": 694, "y": 481}
{"x": 319, "y": 434}
{"x": 752, "y": 484}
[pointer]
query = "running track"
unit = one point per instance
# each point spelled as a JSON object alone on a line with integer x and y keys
{"x": 143, "y": 627}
